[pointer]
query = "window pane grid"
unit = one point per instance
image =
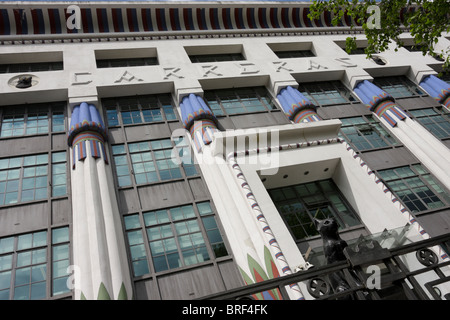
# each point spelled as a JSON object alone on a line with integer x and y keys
{"x": 32, "y": 119}
{"x": 126, "y": 62}
{"x": 140, "y": 109}
{"x": 58, "y": 121}
{"x": 364, "y": 133}
{"x": 24, "y": 265}
{"x": 300, "y": 204}
{"x": 185, "y": 155}
{"x": 294, "y": 54}
{"x": 151, "y": 161}
{"x": 175, "y": 237}
{"x": 217, "y": 57}
{"x": 398, "y": 87}
{"x": 326, "y": 93}
{"x": 239, "y": 100}
{"x": 59, "y": 174}
{"x": 121, "y": 165}
{"x": 27, "y": 178}
{"x": 416, "y": 189}
{"x": 27, "y": 275}
{"x": 437, "y": 122}
{"x": 31, "y": 67}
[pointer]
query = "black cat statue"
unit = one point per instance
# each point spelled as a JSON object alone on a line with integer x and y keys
{"x": 333, "y": 247}
{"x": 24, "y": 82}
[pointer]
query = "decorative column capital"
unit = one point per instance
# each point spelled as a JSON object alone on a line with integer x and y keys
{"x": 198, "y": 119}
{"x": 379, "y": 102}
{"x": 86, "y": 127}
{"x": 296, "y": 106}
{"x": 437, "y": 88}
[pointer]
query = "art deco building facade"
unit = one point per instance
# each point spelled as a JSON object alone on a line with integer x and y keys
{"x": 174, "y": 151}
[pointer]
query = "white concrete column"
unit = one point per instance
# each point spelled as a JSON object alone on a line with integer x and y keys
{"x": 99, "y": 246}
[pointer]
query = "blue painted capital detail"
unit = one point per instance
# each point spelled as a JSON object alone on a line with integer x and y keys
{"x": 438, "y": 89}
{"x": 296, "y": 106}
{"x": 198, "y": 119}
{"x": 379, "y": 102}
{"x": 87, "y": 130}
{"x": 371, "y": 95}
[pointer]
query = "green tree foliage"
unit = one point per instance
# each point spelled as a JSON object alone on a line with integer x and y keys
{"x": 426, "y": 21}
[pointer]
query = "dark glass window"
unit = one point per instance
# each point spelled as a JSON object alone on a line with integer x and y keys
{"x": 31, "y": 67}
{"x": 398, "y": 86}
{"x": 239, "y": 100}
{"x": 436, "y": 121}
{"x": 358, "y": 51}
{"x": 151, "y": 161}
{"x": 176, "y": 237}
{"x": 300, "y": 204}
{"x": 26, "y": 178}
{"x": 139, "y": 109}
{"x": 365, "y": 133}
{"x": 413, "y": 48}
{"x": 32, "y": 119}
{"x": 28, "y": 265}
{"x": 326, "y": 93}
{"x": 294, "y": 54}
{"x": 126, "y": 62}
{"x": 217, "y": 57}
{"x": 415, "y": 187}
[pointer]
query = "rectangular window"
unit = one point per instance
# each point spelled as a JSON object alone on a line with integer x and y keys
{"x": 436, "y": 121}
{"x": 151, "y": 161}
{"x": 139, "y": 109}
{"x": 216, "y": 57}
{"x": 212, "y": 230}
{"x": 294, "y": 54}
{"x": 58, "y": 119}
{"x": 31, "y": 67}
{"x": 398, "y": 86}
{"x": 415, "y": 187}
{"x": 121, "y": 165}
{"x": 26, "y": 178}
{"x": 300, "y": 204}
{"x": 413, "y": 48}
{"x": 175, "y": 238}
{"x": 361, "y": 45}
{"x": 35, "y": 178}
{"x": 24, "y": 263}
{"x": 358, "y": 51}
{"x": 60, "y": 260}
{"x": 326, "y": 93}
{"x": 32, "y": 119}
{"x": 239, "y": 100}
{"x": 59, "y": 174}
{"x": 31, "y": 266}
{"x": 126, "y": 62}
{"x": 186, "y": 156}
{"x": 365, "y": 133}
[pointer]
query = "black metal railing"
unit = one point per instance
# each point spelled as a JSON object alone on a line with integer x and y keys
{"x": 396, "y": 280}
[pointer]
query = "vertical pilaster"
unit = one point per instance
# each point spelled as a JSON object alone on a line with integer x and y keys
{"x": 98, "y": 241}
